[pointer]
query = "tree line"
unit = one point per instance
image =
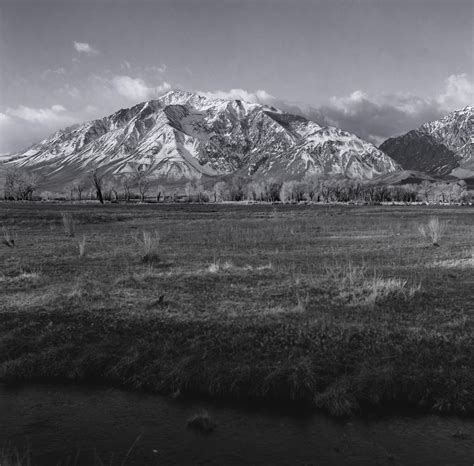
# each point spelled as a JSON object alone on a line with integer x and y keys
{"x": 138, "y": 185}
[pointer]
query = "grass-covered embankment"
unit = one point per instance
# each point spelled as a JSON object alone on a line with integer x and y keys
{"x": 340, "y": 308}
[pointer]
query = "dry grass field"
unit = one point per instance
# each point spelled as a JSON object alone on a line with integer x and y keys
{"x": 344, "y": 308}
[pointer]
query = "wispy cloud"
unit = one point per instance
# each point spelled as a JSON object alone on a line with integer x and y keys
{"x": 55, "y": 72}
{"x": 55, "y": 113}
{"x": 259, "y": 96}
{"x": 136, "y": 89}
{"x": 21, "y": 126}
{"x": 378, "y": 117}
{"x": 459, "y": 92}
{"x": 372, "y": 117}
{"x": 85, "y": 48}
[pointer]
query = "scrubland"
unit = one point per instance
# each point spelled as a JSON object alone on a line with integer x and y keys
{"x": 341, "y": 308}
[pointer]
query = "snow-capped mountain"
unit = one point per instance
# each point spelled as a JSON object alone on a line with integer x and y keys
{"x": 455, "y": 131}
{"x": 186, "y": 135}
{"x": 439, "y": 147}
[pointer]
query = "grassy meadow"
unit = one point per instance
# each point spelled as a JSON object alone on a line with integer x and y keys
{"x": 342, "y": 308}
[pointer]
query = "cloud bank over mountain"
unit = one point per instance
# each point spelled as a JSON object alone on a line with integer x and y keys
{"x": 378, "y": 117}
{"x": 372, "y": 117}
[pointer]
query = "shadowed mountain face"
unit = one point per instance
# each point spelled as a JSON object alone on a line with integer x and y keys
{"x": 185, "y": 135}
{"x": 421, "y": 152}
{"x": 439, "y": 147}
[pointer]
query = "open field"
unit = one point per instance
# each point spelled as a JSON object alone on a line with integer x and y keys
{"x": 341, "y": 307}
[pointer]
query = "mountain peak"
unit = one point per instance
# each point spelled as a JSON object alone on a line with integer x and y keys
{"x": 181, "y": 97}
{"x": 438, "y": 147}
{"x": 185, "y": 135}
{"x": 177, "y": 94}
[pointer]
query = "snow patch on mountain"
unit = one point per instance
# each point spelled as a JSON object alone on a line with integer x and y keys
{"x": 455, "y": 131}
{"x": 187, "y": 135}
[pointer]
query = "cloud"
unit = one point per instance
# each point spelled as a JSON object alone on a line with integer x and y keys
{"x": 372, "y": 117}
{"x": 84, "y": 47}
{"x": 136, "y": 89}
{"x": 21, "y": 126}
{"x": 379, "y": 117}
{"x": 258, "y": 97}
{"x": 38, "y": 115}
{"x": 459, "y": 92}
{"x": 4, "y": 118}
{"x": 376, "y": 118}
{"x": 55, "y": 72}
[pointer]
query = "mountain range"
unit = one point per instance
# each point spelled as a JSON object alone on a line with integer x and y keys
{"x": 439, "y": 148}
{"x": 183, "y": 135}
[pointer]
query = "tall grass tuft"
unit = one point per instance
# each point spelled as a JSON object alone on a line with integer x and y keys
{"x": 8, "y": 238}
{"x": 433, "y": 231}
{"x": 356, "y": 285}
{"x": 149, "y": 246}
{"x": 217, "y": 266}
{"x": 201, "y": 422}
{"x": 81, "y": 244}
{"x": 68, "y": 224}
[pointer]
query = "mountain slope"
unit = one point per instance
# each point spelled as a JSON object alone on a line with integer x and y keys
{"x": 185, "y": 135}
{"x": 439, "y": 147}
{"x": 455, "y": 131}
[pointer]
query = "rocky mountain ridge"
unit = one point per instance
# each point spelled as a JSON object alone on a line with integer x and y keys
{"x": 184, "y": 135}
{"x": 439, "y": 147}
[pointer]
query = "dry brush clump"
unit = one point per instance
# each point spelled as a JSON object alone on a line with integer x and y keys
{"x": 27, "y": 276}
{"x": 217, "y": 266}
{"x": 464, "y": 262}
{"x": 149, "y": 246}
{"x": 81, "y": 244}
{"x": 357, "y": 286}
{"x": 9, "y": 238}
{"x": 201, "y": 423}
{"x": 68, "y": 224}
{"x": 433, "y": 231}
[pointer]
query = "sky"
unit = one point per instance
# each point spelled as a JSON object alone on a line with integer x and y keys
{"x": 374, "y": 67}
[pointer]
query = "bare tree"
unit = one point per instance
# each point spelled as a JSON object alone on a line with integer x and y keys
{"x": 189, "y": 191}
{"x": 327, "y": 190}
{"x": 221, "y": 191}
{"x": 127, "y": 182}
{"x": 255, "y": 191}
{"x": 70, "y": 189}
{"x": 272, "y": 189}
{"x": 80, "y": 186}
{"x": 97, "y": 182}
{"x": 426, "y": 190}
{"x": 20, "y": 184}
{"x": 143, "y": 182}
{"x": 159, "y": 192}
